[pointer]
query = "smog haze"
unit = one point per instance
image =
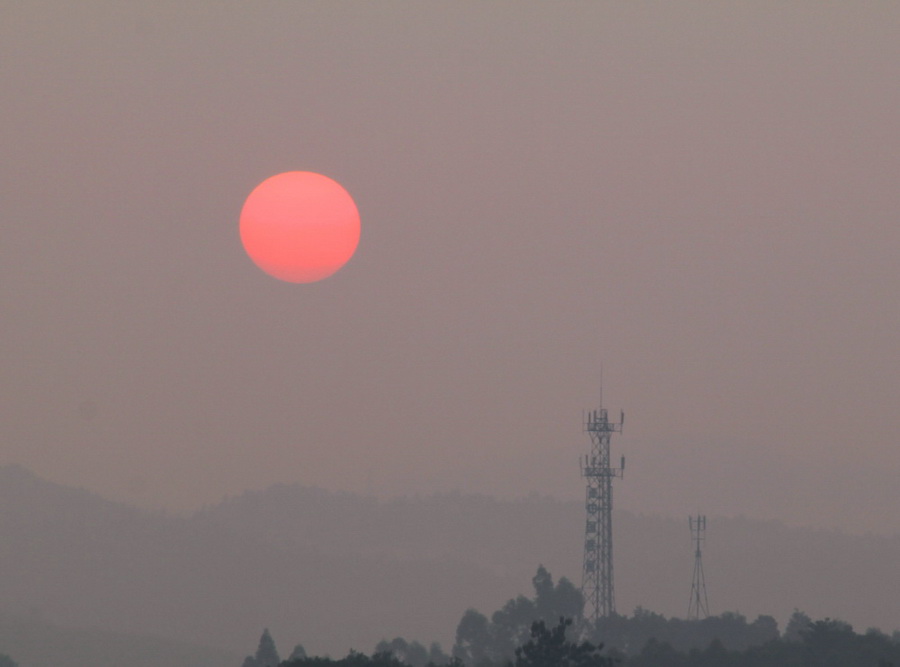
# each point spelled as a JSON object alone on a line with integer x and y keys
{"x": 702, "y": 198}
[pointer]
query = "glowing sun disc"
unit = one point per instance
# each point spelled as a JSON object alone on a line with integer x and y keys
{"x": 299, "y": 226}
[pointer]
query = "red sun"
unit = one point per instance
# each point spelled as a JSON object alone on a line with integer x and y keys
{"x": 299, "y": 226}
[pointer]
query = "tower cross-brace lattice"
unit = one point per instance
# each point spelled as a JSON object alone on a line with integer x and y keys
{"x": 597, "y": 572}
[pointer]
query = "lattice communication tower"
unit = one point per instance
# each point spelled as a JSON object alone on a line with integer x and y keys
{"x": 699, "y": 606}
{"x": 597, "y": 573}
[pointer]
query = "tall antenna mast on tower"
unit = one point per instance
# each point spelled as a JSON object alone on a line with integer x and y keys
{"x": 601, "y": 384}
{"x": 597, "y": 573}
{"x": 699, "y": 606}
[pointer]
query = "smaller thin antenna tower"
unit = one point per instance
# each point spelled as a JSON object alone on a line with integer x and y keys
{"x": 699, "y": 606}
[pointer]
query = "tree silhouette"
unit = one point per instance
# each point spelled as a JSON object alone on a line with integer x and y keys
{"x": 266, "y": 653}
{"x": 550, "y": 648}
{"x": 411, "y": 653}
{"x": 798, "y": 623}
{"x": 353, "y": 659}
{"x": 473, "y": 638}
{"x": 297, "y": 653}
{"x": 481, "y": 641}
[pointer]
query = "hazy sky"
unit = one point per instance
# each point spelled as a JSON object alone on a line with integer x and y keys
{"x": 703, "y": 197}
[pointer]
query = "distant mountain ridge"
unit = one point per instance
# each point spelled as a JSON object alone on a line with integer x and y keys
{"x": 752, "y": 566}
{"x": 82, "y": 561}
{"x": 336, "y": 571}
{"x": 473, "y": 529}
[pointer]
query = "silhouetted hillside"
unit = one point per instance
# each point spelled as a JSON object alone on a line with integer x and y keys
{"x": 506, "y": 537}
{"x": 82, "y": 561}
{"x": 336, "y": 571}
{"x": 753, "y": 567}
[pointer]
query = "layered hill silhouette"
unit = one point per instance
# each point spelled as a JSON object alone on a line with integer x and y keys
{"x": 752, "y": 567}
{"x": 78, "y": 560}
{"x": 335, "y": 571}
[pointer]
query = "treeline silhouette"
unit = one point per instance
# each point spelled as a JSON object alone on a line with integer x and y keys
{"x": 548, "y": 630}
{"x": 547, "y": 647}
{"x": 629, "y": 634}
{"x": 823, "y": 643}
